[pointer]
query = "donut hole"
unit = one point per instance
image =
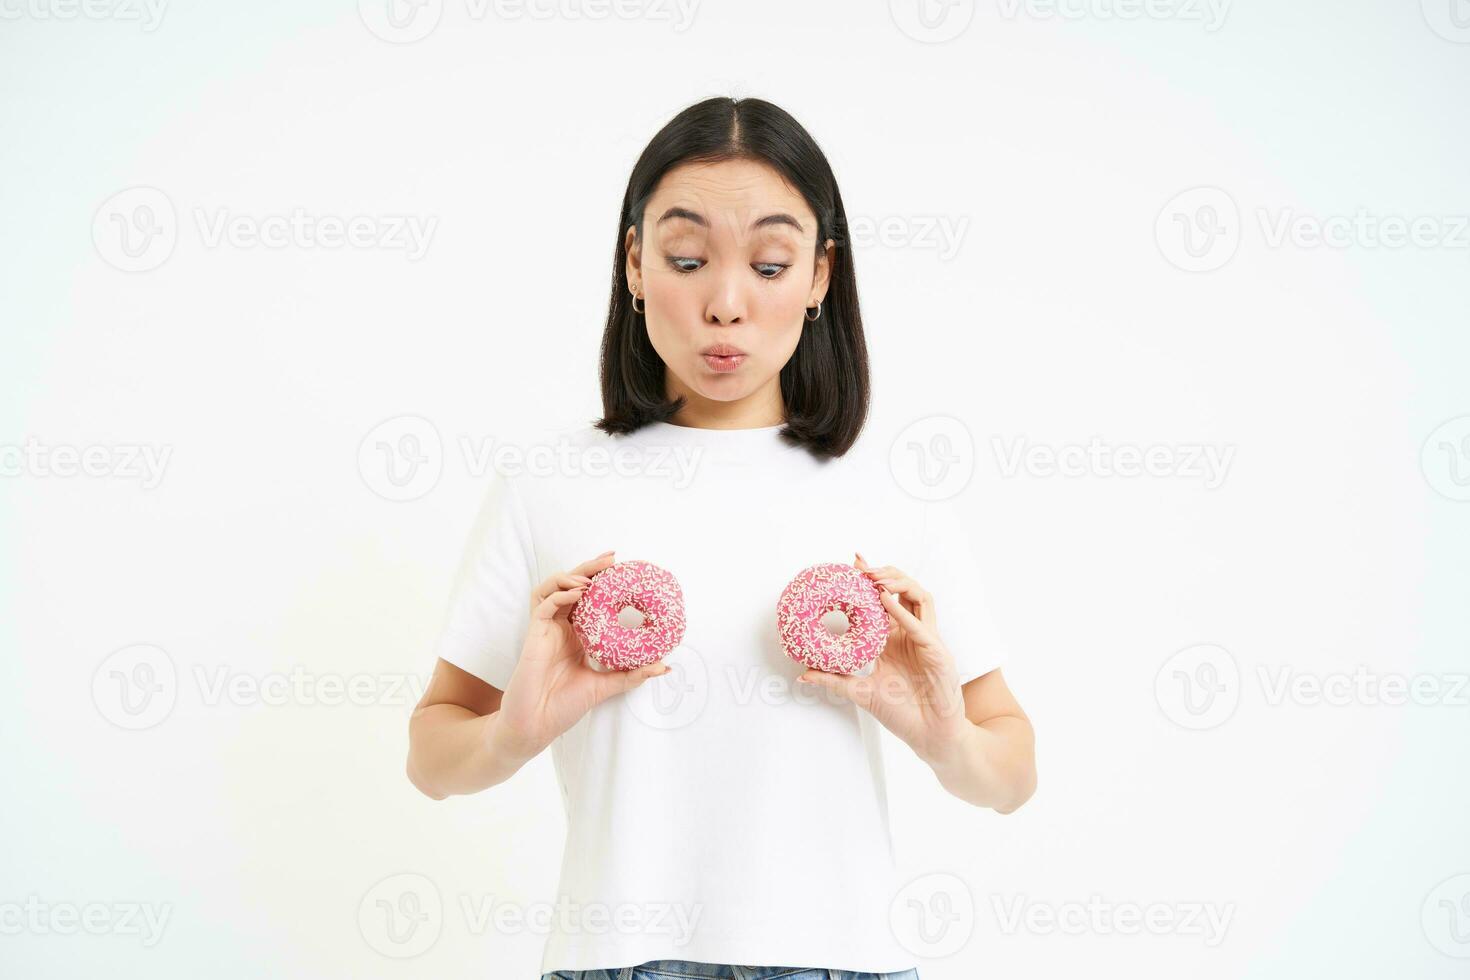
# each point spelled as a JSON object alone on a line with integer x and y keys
{"x": 631, "y": 617}
{"x": 836, "y": 622}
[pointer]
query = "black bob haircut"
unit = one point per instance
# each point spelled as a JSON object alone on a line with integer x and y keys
{"x": 825, "y": 383}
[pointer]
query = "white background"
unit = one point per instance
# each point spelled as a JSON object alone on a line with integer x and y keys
{"x": 267, "y": 828}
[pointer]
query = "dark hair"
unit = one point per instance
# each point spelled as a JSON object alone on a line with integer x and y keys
{"x": 825, "y": 383}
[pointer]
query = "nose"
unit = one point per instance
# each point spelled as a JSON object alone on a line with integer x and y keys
{"x": 726, "y": 303}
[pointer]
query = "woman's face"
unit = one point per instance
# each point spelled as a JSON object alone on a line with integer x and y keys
{"x": 727, "y": 268}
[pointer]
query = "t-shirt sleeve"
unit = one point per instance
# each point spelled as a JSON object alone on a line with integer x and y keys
{"x": 489, "y": 609}
{"x": 949, "y": 569}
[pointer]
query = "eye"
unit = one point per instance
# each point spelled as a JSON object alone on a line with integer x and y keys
{"x": 766, "y": 270}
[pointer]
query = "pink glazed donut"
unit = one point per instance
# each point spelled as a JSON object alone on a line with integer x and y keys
{"x": 644, "y": 586}
{"x": 819, "y": 590}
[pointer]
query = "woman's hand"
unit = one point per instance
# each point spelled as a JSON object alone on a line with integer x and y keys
{"x": 553, "y": 685}
{"x": 914, "y": 688}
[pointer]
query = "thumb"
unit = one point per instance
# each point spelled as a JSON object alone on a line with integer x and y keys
{"x": 850, "y": 687}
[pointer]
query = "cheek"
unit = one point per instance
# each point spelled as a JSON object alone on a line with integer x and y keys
{"x": 787, "y": 294}
{"x": 672, "y": 306}
{"x": 667, "y": 288}
{"x": 779, "y": 307}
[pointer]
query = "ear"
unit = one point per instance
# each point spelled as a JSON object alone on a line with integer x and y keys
{"x": 634, "y": 269}
{"x": 822, "y": 274}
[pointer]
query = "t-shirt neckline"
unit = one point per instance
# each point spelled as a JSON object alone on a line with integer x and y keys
{"x": 701, "y": 432}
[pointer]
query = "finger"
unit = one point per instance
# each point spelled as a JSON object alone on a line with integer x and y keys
{"x": 858, "y": 690}
{"x": 867, "y": 570}
{"x": 547, "y": 608}
{"x": 610, "y": 682}
{"x": 911, "y": 623}
{"x": 594, "y": 565}
{"x": 556, "y": 583}
{"x": 559, "y": 580}
{"x": 916, "y": 597}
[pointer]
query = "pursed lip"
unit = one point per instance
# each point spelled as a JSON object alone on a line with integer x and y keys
{"x": 722, "y": 350}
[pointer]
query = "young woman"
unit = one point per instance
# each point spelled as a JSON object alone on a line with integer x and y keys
{"x": 729, "y": 818}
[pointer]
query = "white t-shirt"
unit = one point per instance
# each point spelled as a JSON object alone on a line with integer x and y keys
{"x": 720, "y": 813}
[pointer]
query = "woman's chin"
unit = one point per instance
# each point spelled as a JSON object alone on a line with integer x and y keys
{"x": 722, "y": 388}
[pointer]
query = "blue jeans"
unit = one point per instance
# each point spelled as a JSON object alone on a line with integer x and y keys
{"x": 686, "y": 970}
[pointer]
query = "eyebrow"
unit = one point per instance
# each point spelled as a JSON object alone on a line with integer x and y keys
{"x": 780, "y": 218}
